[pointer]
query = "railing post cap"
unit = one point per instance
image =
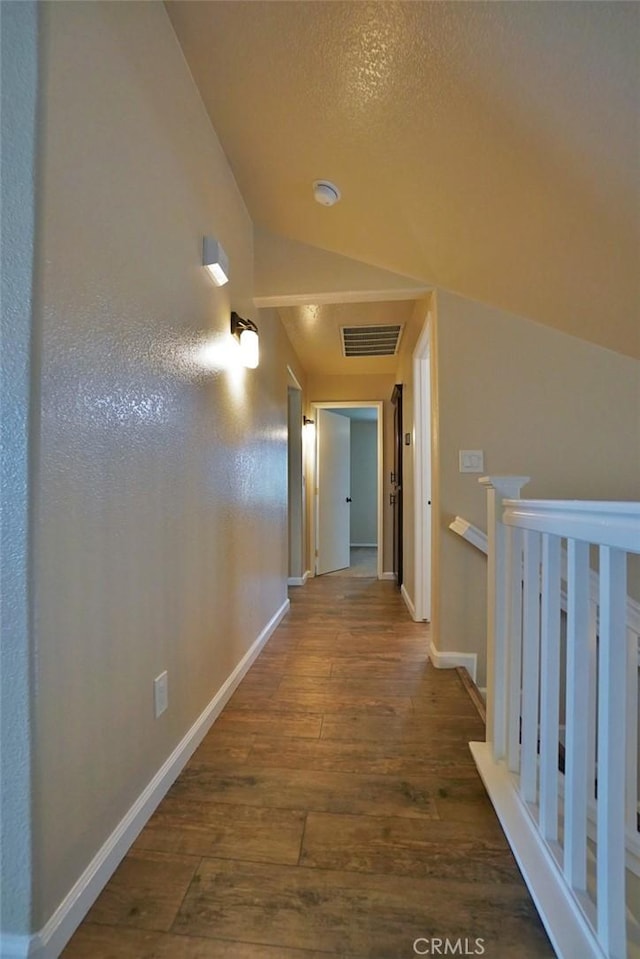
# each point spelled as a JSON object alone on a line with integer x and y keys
{"x": 507, "y": 486}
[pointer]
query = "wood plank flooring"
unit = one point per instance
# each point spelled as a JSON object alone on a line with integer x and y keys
{"x": 333, "y": 810}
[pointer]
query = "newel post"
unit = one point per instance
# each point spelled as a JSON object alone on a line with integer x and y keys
{"x": 498, "y": 489}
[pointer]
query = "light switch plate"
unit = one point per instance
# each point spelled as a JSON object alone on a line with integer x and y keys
{"x": 471, "y": 461}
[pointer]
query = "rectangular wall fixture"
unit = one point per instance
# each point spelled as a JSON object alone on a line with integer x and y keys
{"x": 215, "y": 260}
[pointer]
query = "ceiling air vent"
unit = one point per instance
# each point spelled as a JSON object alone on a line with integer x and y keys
{"x": 370, "y": 340}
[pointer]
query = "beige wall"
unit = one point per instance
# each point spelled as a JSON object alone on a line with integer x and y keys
{"x": 160, "y": 533}
{"x": 364, "y": 482}
{"x": 288, "y": 271}
{"x": 539, "y": 403}
{"x": 325, "y": 389}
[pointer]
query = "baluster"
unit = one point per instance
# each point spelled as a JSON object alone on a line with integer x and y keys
{"x": 498, "y": 487}
{"x": 530, "y": 667}
{"x": 577, "y": 720}
{"x": 592, "y": 758}
{"x": 612, "y": 662}
{"x": 632, "y": 733}
{"x": 514, "y": 643}
{"x": 495, "y": 639}
{"x": 550, "y": 687}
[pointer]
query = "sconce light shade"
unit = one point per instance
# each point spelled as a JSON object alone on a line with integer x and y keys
{"x": 215, "y": 260}
{"x": 247, "y": 334}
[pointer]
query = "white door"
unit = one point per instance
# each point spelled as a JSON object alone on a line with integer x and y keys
{"x": 334, "y": 491}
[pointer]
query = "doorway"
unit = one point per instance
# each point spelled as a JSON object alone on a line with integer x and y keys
{"x": 348, "y": 511}
{"x": 423, "y": 471}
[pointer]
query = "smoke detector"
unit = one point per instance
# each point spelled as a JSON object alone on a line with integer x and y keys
{"x": 325, "y": 192}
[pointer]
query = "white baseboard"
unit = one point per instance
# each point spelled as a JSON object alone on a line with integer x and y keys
{"x": 568, "y": 929}
{"x": 299, "y": 580}
{"x": 449, "y": 660}
{"x": 368, "y": 545}
{"x": 408, "y": 602}
{"x": 388, "y": 575}
{"x": 49, "y": 942}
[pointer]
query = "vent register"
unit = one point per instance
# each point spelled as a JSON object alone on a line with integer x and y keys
{"x": 370, "y": 340}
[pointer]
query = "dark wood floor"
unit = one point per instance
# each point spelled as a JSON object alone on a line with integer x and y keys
{"x": 333, "y": 810}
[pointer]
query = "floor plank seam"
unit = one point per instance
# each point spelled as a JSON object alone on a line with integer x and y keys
{"x": 304, "y": 829}
{"x": 186, "y": 893}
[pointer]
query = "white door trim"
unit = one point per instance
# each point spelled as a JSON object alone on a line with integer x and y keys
{"x": 296, "y": 498}
{"x": 295, "y": 382}
{"x": 422, "y": 481}
{"x": 351, "y": 404}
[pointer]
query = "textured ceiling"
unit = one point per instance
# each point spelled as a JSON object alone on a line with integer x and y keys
{"x": 314, "y": 332}
{"x": 488, "y": 148}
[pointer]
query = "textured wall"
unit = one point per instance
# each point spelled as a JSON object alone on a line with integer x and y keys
{"x": 19, "y": 31}
{"x": 161, "y": 538}
{"x": 364, "y": 482}
{"x": 539, "y": 403}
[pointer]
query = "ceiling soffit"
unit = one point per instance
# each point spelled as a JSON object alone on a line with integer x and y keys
{"x": 288, "y": 273}
{"x": 315, "y": 333}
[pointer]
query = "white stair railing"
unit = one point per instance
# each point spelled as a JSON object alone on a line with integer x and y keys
{"x": 574, "y": 866}
{"x": 478, "y": 538}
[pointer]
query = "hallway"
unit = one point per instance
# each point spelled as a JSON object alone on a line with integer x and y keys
{"x": 333, "y": 810}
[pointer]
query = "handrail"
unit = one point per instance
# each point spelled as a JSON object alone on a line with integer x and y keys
{"x": 473, "y": 534}
{"x": 478, "y": 538}
{"x": 616, "y": 525}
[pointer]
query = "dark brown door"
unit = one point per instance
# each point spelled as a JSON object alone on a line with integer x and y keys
{"x": 396, "y": 482}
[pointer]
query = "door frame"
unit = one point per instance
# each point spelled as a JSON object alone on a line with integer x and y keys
{"x": 295, "y": 494}
{"x": 423, "y": 472}
{"x": 397, "y": 484}
{"x": 338, "y": 405}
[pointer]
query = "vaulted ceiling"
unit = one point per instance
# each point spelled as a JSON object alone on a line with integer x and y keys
{"x": 488, "y": 148}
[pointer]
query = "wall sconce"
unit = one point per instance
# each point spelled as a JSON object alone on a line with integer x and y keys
{"x": 215, "y": 260}
{"x": 246, "y": 332}
{"x": 308, "y": 431}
